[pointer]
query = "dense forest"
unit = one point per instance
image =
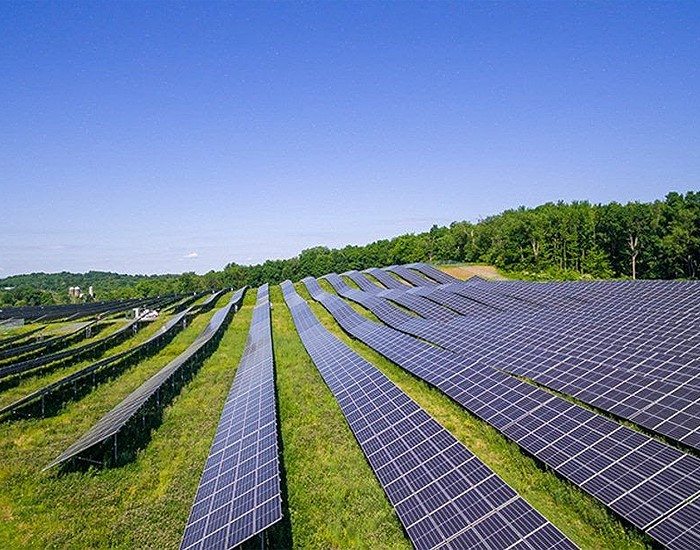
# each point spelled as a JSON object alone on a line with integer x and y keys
{"x": 657, "y": 240}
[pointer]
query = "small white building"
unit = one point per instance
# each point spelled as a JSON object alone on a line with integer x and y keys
{"x": 145, "y": 314}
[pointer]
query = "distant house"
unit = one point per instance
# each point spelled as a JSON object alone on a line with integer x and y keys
{"x": 145, "y": 314}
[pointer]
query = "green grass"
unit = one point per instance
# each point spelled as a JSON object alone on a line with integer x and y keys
{"x": 582, "y": 518}
{"x": 144, "y": 504}
{"x": 335, "y": 501}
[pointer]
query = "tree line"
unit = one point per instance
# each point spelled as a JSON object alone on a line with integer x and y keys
{"x": 656, "y": 240}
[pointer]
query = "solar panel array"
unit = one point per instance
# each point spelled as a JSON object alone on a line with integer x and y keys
{"x": 76, "y": 311}
{"x": 579, "y": 354}
{"x": 86, "y": 374}
{"x": 74, "y": 353}
{"x": 115, "y": 420}
{"x": 46, "y": 344}
{"x": 434, "y": 274}
{"x": 385, "y": 278}
{"x": 239, "y": 492}
{"x": 632, "y": 353}
{"x": 363, "y": 282}
{"x": 444, "y": 496}
{"x": 418, "y": 304}
{"x": 654, "y": 486}
{"x": 25, "y": 357}
{"x": 14, "y": 341}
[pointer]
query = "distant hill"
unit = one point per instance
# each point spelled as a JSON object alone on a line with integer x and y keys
{"x": 48, "y": 288}
{"x": 60, "y": 282}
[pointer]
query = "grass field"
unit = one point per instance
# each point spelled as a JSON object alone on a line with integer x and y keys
{"x": 331, "y": 497}
{"x": 334, "y": 499}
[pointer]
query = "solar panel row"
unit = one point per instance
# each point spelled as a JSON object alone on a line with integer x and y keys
{"x": 591, "y": 360}
{"x": 25, "y": 356}
{"x": 14, "y": 341}
{"x": 418, "y": 304}
{"x": 409, "y": 275}
{"x": 467, "y": 306}
{"x": 74, "y": 353}
{"x": 117, "y": 419}
{"x": 643, "y": 480}
{"x": 47, "y": 344}
{"x": 435, "y": 274}
{"x": 385, "y": 278}
{"x": 423, "y": 307}
{"x": 444, "y": 496}
{"x": 363, "y": 282}
{"x": 646, "y": 327}
{"x": 239, "y": 492}
{"x": 66, "y": 311}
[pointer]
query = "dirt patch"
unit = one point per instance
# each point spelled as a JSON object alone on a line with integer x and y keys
{"x": 465, "y": 271}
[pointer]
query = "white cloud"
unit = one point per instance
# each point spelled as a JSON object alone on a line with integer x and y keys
{"x": 191, "y": 255}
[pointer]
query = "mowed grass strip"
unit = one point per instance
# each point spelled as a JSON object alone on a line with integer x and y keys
{"x": 334, "y": 498}
{"x": 582, "y": 518}
{"x": 144, "y": 504}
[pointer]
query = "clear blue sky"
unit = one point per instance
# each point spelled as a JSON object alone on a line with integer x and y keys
{"x": 151, "y": 137}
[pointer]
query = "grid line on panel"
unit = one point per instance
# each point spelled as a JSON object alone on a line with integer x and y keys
{"x": 536, "y": 343}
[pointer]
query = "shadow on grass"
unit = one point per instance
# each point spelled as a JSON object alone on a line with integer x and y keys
{"x": 121, "y": 448}
{"x": 279, "y": 535}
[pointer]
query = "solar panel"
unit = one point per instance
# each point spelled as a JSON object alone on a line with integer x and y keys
{"x": 363, "y": 282}
{"x": 239, "y": 492}
{"x": 638, "y": 477}
{"x": 48, "y": 344}
{"x": 67, "y": 311}
{"x": 592, "y": 360}
{"x": 385, "y": 278}
{"x": 29, "y": 362}
{"x": 681, "y": 529}
{"x": 422, "y": 306}
{"x": 443, "y": 495}
{"x": 117, "y": 419}
{"x": 435, "y": 274}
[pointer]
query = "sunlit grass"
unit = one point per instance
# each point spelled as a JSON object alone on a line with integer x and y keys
{"x": 144, "y": 504}
{"x": 335, "y": 501}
